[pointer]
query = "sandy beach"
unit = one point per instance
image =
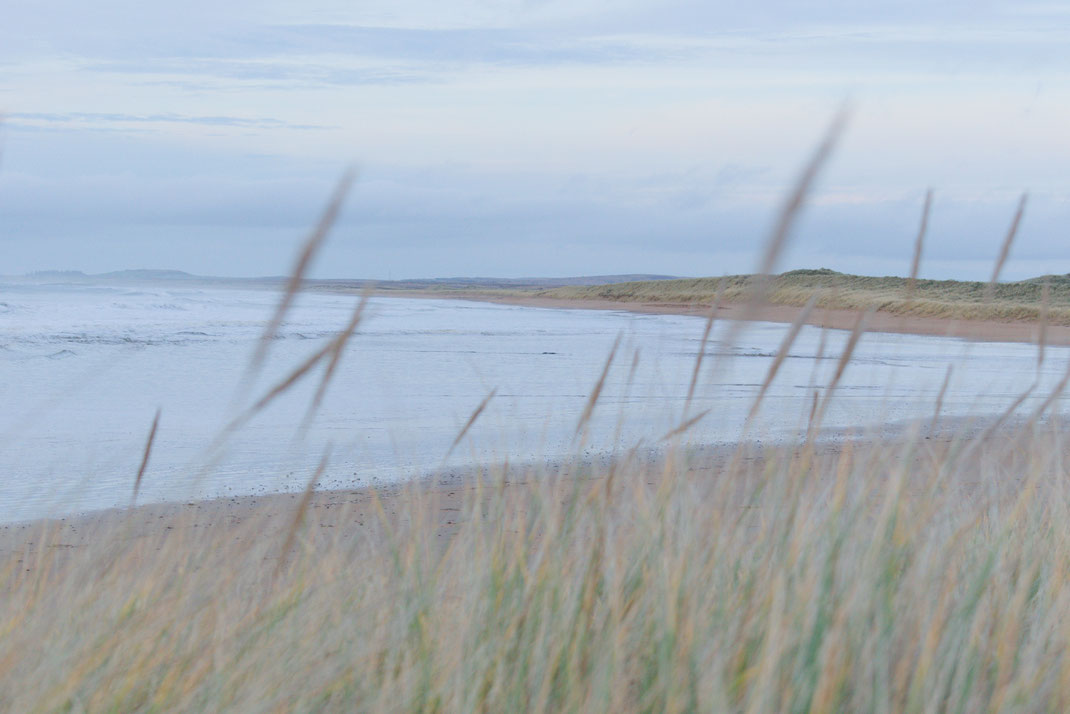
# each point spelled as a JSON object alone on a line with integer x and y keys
{"x": 985, "y": 331}
{"x": 445, "y": 502}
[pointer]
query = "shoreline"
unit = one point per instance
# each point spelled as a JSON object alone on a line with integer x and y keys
{"x": 974, "y": 330}
{"x": 371, "y": 511}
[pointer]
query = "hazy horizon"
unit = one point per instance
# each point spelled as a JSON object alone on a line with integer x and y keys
{"x": 613, "y": 277}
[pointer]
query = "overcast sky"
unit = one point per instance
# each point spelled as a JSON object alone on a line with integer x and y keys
{"x": 529, "y": 137}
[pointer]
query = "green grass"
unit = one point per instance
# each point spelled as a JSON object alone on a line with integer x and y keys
{"x": 950, "y": 299}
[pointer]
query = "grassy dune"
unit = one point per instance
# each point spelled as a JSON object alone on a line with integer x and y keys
{"x": 916, "y": 576}
{"x": 950, "y": 299}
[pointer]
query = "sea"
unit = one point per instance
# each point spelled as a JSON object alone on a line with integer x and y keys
{"x": 85, "y": 368}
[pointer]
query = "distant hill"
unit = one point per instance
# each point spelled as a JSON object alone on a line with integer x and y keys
{"x": 57, "y": 275}
{"x": 1019, "y": 301}
{"x": 79, "y": 276}
{"x": 458, "y": 283}
{"x": 146, "y": 274}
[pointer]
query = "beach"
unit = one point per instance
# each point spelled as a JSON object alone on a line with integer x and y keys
{"x": 550, "y": 582}
{"x": 978, "y": 330}
{"x": 89, "y": 366}
{"x": 443, "y": 503}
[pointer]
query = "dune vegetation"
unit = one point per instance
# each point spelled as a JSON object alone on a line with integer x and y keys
{"x": 948, "y": 299}
{"x": 919, "y": 575}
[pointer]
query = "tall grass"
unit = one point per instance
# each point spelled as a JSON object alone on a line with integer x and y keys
{"x": 909, "y": 576}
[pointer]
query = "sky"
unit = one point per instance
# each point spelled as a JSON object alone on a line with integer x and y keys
{"x": 530, "y": 137}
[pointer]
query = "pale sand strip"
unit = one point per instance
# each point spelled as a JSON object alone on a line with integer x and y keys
{"x": 837, "y": 319}
{"x": 442, "y": 501}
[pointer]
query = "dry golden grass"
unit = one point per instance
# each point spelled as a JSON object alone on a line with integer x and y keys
{"x": 949, "y": 299}
{"x": 910, "y": 576}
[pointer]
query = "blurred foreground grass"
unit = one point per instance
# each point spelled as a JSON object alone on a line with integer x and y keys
{"x": 919, "y": 575}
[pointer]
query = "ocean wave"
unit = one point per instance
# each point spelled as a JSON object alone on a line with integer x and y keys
{"x": 148, "y": 307}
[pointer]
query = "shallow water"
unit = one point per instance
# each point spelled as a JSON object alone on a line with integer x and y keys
{"x": 84, "y": 368}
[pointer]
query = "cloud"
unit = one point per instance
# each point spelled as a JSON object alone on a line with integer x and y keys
{"x": 106, "y": 119}
{"x": 462, "y": 221}
{"x": 277, "y": 72}
{"x": 521, "y": 137}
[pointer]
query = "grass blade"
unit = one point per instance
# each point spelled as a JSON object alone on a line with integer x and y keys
{"x": 841, "y": 367}
{"x": 919, "y": 242}
{"x": 686, "y": 425}
{"x": 335, "y": 351}
{"x": 304, "y": 260}
{"x": 592, "y": 400}
{"x": 1005, "y": 249}
{"x": 710, "y": 319}
{"x": 940, "y": 399}
{"x": 1042, "y": 332}
{"x": 471, "y": 420}
{"x": 795, "y": 201}
{"x": 786, "y": 219}
{"x": 781, "y": 355}
{"x": 145, "y": 457}
{"x": 302, "y": 508}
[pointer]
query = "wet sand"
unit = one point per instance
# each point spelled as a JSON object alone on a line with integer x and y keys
{"x": 441, "y": 503}
{"x": 981, "y": 330}
{"x": 368, "y": 512}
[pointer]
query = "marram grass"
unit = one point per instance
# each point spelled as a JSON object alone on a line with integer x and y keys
{"x": 948, "y": 299}
{"x": 921, "y": 575}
